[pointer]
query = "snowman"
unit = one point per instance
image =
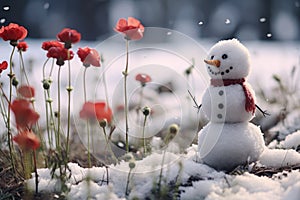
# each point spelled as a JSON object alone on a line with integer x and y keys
{"x": 229, "y": 140}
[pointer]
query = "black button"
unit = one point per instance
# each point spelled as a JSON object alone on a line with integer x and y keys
{"x": 221, "y": 92}
{"x": 220, "y": 116}
{"x": 221, "y": 106}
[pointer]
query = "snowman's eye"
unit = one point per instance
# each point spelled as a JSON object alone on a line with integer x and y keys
{"x": 212, "y": 57}
{"x": 224, "y": 56}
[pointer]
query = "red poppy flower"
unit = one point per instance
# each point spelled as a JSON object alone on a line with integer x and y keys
{"x": 22, "y": 46}
{"x": 131, "y": 28}
{"x": 48, "y": 44}
{"x": 96, "y": 111}
{"x": 143, "y": 78}
{"x": 13, "y": 32}
{"x": 69, "y": 36}
{"x": 89, "y": 56}
{"x": 61, "y": 54}
{"x": 26, "y": 91}
{"x": 25, "y": 116}
{"x": 3, "y": 66}
{"x": 27, "y": 140}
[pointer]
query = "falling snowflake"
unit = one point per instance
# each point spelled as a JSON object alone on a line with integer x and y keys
{"x": 169, "y": 33}
{"x": 6, "y": 8}
{"x": 269, "y": 35}
{"x": 200, "y": 23}
{"x": 2, "y": 20}
{"x": 46, "y": 6}
{"x": 297, "y": 4}
{"x": 262, "y": 19}
{"x": 227, "y": 21}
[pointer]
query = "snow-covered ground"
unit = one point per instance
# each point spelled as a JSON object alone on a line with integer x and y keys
{"x": 166, "y": 61}
{"x": 197, "y": 180}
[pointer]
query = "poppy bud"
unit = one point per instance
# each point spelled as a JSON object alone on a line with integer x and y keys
{"x": 15, "y": 82}
{"x": 173, "y": 129}
{"x": 131, "y": 165}
{"x": 103, "y": 123}
{"x": 46, "y": 84}
{"x": 146, "y": 111}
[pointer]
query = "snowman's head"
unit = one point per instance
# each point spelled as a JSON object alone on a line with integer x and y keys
{"x": 228, "y": 59}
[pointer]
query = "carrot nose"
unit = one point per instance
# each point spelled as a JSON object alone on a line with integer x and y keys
{"x": 215, "y": 63}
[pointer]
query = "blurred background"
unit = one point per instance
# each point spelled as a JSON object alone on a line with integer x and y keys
{"x": 95, "y": 19}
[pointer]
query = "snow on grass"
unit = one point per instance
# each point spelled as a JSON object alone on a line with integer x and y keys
{"x": 197, "y": 180}
{"x": 291, "y": 141}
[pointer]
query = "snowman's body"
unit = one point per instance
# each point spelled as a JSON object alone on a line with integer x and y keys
{"x": 224, "y": 146}
{"x": 229, "y": 139}
{"x": 225, "y": 104}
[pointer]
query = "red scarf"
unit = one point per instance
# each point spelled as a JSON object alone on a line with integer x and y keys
{"x": 249, "y": 104}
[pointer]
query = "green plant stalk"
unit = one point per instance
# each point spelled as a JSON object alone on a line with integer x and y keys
{"x": 36, "y": 174}
{"x": 69, "y": 89}
{"x": 88, "y": 135}
{"x": 47, "y": 119}
{"x": 23, "y": 68}
{"x": 144, "y": 139}
{"x": 52, "y": 121}
{"x": 105, "y": 88}
{"x": 87, "y": 121}
{"x": 139, "y": 104}
{"x": 32, "y": 101}
{"x": 162, "y": 163}
{"x": 108, "y": 145}
{"x": 9, "y": 136}
{"x": 58, "y": 112}
{"x": 127, "y": 183}
{"x": 125, "y": 73}
{"x": 2, "y": 106}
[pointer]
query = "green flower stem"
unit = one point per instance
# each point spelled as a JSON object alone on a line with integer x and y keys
{"x": 161, "y": 171}
{"x": 107, "y": 145}
{"x": 84, "y": 83}
{"x": 2, "y": 106}
{"x": 139, "y": 105}
{"x": 47, "y": 119}
{"x": 44, "y": 68}
{"x": 162, "y": 162}
{"x": 88, "y": 135}
{"x": 58, "y": 111}
{"x": 105, "y": 88}
{"x": 144, "y": 139}
{"x": 125, "y": 73}
{"x": 46, "y": 104}
{"x": 36, "y": 174}
{"x": 87, "y": 121}
{"x": 127, "y": 183}
{"x": 52, "y": 121}
{"x": 23, "y": 68}
{"x": 9, "y": 136}
{"x": 32, "y": 100}
{"x": 69, "y": 89}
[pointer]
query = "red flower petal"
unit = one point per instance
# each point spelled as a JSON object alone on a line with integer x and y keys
{"x": 48, "y": 44}
{"x": 13, "y": 32}
{"x": 22, "y": 46}
{"x": 131, "y": 28}
{"x": 60, "y": 53}
{"x": 89, "y": 56}
{"x": 27, "y": 140}
{"x": 25, "y": 116}
{"x": 68, "y": 35}
{"x": 3, "y": 66}
{"x": 143, "y": 78}
{"x": 26, "y": 91}
{"x": 96, "y": 111}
